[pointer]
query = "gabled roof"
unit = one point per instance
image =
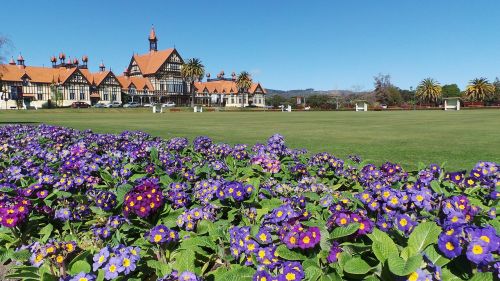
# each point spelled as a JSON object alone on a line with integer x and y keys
{"x": 36, "y": 74}
{"x": 224, "y": 87}
{"x": 96, "y": 78}
{"x": 139, "y": 82}
{"x": 149, "y": 63}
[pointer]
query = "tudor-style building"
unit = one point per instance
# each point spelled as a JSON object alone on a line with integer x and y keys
{"x": 155, "y": 76}
{"x": 104, "y": 86}
{"x": 67, "y": 81}
{"x": 222, "y": 91}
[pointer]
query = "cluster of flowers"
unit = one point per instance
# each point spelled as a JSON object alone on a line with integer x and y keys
{"x": 242, "y": 245}
{"x": 119, "y": 260}
{"x": 298, "y": 236}
{"x": 55, "y": 252}
{"x": 13, "y": 210}
{"x": 161, "y": 234}
{"x": 205, "y": 190}
{"x": 342, "y": 218}
{"x": 235, "y": 190}
{"x": 143, "y": 200}
{"x": 479, "y": 243}
{"x": 113, "y": 223}
{"x": 103, "y": 199}
{"x": 189, "y": 219}
{"x": 286, "y": 271}
{"x": 72, "y": 211}
{"x": 177, "y": 194}
{"x": 36, "y": 162}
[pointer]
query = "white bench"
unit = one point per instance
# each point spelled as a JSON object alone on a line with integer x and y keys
{"x": 198, "y": 109}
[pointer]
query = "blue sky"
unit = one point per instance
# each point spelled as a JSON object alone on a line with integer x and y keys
{"x": 323, "y": 44}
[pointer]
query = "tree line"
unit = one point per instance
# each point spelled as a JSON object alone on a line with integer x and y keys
{"x": 429, "y": 92}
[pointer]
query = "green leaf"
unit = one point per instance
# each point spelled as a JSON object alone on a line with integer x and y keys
{"x": 482, "y": 276}
{"x": 21, "y": 256}
{"x": 135, "y": 177}
{"x": 357, "y": 266}
{"x": 343, "y": 231}
{"x": 184, "y": 261}
{"x": 383, "y": 246}
{"x": 313, "y": 273}
{"x": 80, "y": 266}
{"x": 401, "y": 267}
{"x": 237, "y": 273}
{"x": 45, "y": 232}
{"x": 331, "y": 277}
{"x": 423, "y": 235}
{"x": 287, "y": 254}
{"x": 435, "y": 257}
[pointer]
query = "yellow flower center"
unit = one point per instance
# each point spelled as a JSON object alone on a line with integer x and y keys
{"x": 485, "y": 238}
{"x": 477, "y": 249}
{"x": 449, "y": 246}
{"x": 290, "y": 276}
{"x": 403, "y": 222}
{"x": 157, "y": 238}
{"x": 413, "y": 277}
{"x": 112, "y": 268}
{"x": 306, "y": 240}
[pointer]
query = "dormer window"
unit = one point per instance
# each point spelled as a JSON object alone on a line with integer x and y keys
{"x": 131, "y": 91}
{"x": 145, "y": 91}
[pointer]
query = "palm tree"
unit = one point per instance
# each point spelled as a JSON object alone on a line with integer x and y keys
{"x": 192, "y": 71}
{"x": 243, "y": 82}
{"x": 479, "y": 89}
{"x": 429, "y": 90}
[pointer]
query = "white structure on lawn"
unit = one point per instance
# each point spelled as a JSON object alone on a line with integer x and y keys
{"x": 452, "y": 103}
{"x": 361, "y": 105}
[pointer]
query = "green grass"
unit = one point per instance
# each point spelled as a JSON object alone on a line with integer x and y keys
{"x": 458, "y": 138}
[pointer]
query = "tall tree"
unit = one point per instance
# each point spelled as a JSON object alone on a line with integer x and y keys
{"x": 429, "y": 90}
{"x": 495, "y": 98}
{"x": 243, "y": 82}
{"x": 479, "y": 89}
{"x": 192, "y": 71}
{"x": 450, "y": 90}
{"x": 385, "y": 92}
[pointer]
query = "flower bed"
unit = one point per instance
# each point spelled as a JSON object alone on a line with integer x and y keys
{"x": 82, "y": 206}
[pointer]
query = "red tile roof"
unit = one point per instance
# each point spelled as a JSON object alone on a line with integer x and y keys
{"x": 36, "y": 74}
{"x": 149, "y": 63}
{"x": 224, "y": 87}
{"x": 139, "y": 82}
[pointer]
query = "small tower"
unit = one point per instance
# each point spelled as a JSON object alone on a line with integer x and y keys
{"x": 12, "y": 62}
{"x": 20, "y": 60}
{"x": 153, "y": 41}
{"x": 85, "y": 60}
{"x": 53, "y": 60}
{"x": 102, "y": 68}
{"x": 62, "y": 57}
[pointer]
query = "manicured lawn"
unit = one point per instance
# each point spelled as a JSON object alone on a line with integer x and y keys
{"x": 458, "y": 138}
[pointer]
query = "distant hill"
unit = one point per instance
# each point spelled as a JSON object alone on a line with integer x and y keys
{"x": 310, "y": 92}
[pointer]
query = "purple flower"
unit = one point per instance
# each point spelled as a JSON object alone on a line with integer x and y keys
{"x": 478, "y": 252}
{"x": 404, "y": 223}
{"x": 449, "y": 246}
{"x": 333, "y": 255}
{"x": 100, "y": 258}
{"x": 113, "y": 268}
